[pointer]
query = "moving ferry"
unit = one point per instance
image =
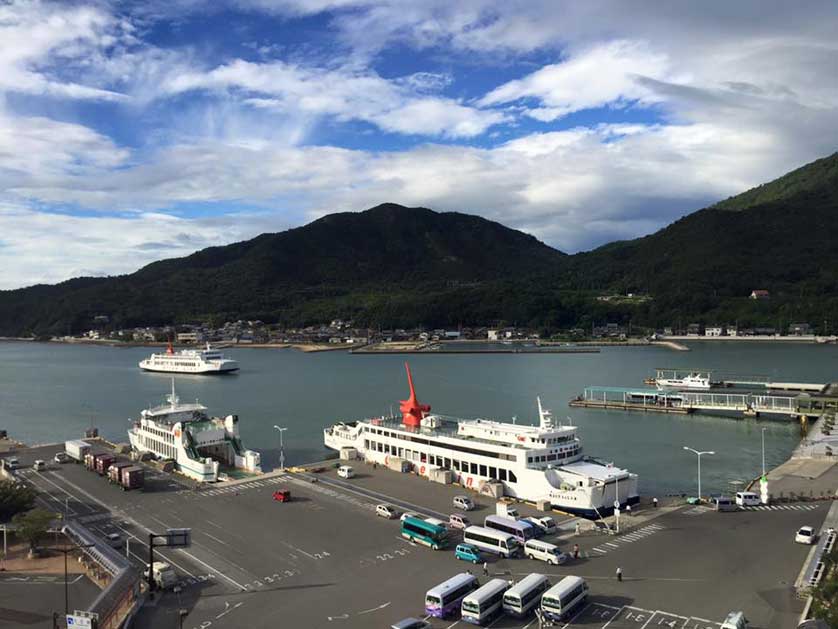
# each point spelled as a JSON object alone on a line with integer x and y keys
{"x": 199, "y": 361}
{"x": 198, "y": 444}
{"x": 530, "y": 462}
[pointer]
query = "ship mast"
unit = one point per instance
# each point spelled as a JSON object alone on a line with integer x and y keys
{"x": 545, "y": 417}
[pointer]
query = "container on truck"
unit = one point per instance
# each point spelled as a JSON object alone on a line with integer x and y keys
{"x": 114, "y": 471}
{"x": 132, "y": 477}
{"x": 76, "y": 449}
{"x": 89, "y": 461}
{"x": 103, "y": 462}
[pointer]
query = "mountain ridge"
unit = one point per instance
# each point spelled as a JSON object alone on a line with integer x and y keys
{"x": 392, "y": 265}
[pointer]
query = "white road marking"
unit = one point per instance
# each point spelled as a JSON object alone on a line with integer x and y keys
{"x": 220, "y": 541}
{"x": 228, "y": 609}
{"x": 374, "y": 609}
{"x": 612, "y": 617}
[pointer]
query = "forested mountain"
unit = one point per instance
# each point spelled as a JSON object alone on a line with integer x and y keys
{"x": 398, "y": 266}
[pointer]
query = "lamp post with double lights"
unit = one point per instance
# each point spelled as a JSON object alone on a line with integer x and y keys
{"x": 698, "y": 454}
{"x": 281, "y": 448}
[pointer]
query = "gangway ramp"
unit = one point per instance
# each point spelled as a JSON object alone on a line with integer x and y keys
{"x": 743, "y": 402}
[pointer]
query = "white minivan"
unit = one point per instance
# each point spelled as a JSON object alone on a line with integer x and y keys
{"x": 344, "y": 471}
{"x": 542, "y": 551}
{"x": 747, "y": 499}
{"x": 463, "y": 502}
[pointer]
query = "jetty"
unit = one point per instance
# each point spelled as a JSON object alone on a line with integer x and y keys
{"x": 800, "y": 402}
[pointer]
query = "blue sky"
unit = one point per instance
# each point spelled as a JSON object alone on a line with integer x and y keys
{"x": 131, "y": 132}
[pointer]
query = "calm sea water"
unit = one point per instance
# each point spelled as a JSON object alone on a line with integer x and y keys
{"x": 51, "y": 392}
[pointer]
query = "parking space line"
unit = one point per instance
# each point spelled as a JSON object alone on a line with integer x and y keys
{"x": 619, "y": 611}
{"x": 581, "y": 611}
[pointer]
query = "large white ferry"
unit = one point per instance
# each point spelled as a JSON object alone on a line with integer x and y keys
{"x": 207, "y": 361}
{"x": 198, "y": 444}
{"x": 531, "y": 462}
{"x": 691, "y": 381}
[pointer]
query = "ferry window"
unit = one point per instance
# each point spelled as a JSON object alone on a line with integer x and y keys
{"x": 456, "y": 465}
{"x": 366, "y": 444}
{"x": 474, "y": 468}
{"x": 512, "y": 477}
{"x": 502, "y": 474}
{"x": 551, "y": 457}
{"x": 493, "y": 472}
{"x": 401, "y": 451}
{"x": 483, "y": 470}
{"x": 446, "y": 463}
{"x": 529, "y": 459}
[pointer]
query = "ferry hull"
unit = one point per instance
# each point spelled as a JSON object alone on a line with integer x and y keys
{"x": 207, "y": 371}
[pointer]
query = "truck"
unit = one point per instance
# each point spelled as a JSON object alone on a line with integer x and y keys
{"x": 131, "y": 477}
{"x": 76, "y": 449}
{"x": 115, "y": 471}
{"x": 90, "y": 461}
{"x": 506, "y": 510}
{"x": 103, "y": 462}
{"x": 163, "y": 574}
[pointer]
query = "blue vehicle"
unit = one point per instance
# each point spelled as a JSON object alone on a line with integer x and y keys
{"x": 467, "y": 552}
{"x": 427, "y": 533}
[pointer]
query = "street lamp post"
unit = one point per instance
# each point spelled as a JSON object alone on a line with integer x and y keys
{"x": 66, "y": 552}
{"x": 698, "y": 454}
{"x": 281, "y": 448}
{"x": 763, "y": 450}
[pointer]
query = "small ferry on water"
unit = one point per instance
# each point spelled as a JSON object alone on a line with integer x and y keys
{"x": 197, "y": 444}
{"x": 198, "y": 361}
{"x": 530, "y": 462}
{"x": 691, "y": 381}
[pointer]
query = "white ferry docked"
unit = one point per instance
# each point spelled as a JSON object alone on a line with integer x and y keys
{"x": 531, "y": 462}
{"x": 203, "y": 361}
{"x": 197, "y": 444}
{"x": 691, "y": 381}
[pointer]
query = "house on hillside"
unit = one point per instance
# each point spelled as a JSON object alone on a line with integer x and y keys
{"x": 715, "y": 330}
{"x": 759, "y": 294}
{"x": 800, "y": 329}
{"x": 694, "y": 329}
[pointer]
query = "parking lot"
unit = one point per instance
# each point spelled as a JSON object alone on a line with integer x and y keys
{"x": 326, "y": 560}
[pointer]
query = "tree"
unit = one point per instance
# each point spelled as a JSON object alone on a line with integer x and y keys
{"x": 825, "y": 595}
{"x": 33, "y": 525}
{"x": 15, "y": 498}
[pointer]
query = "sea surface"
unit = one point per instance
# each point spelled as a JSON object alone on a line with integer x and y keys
{"x": 52, "y": 392}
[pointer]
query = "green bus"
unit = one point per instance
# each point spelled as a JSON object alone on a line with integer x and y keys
{"x": 417, "y": 530}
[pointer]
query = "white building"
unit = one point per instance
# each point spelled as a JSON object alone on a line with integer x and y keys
{"x": 714, "y": 331}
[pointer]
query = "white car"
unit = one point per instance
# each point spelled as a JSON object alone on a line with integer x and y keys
{"x": 344, "y": 471}
{"x": 805, "y": 535}
{"x": 40, "y": 465}
{"x": 386, "y": 511}
{"x": 409, "y": 514}
{"x": 457, "y": 521}
{"x": 463, "y": 502}
{"x": 61, "y": 457}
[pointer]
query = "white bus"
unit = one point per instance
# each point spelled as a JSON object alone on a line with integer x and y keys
{"x": 485, "y": 603}
{"x": 444, "y": 600}
{"x": 521, "y": 529}
{"x": 492, "y": 541}
{"x": 525, "y": 595}
{"x": 564, "y": 597}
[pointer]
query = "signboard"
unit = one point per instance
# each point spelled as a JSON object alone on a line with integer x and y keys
{"x": 79, "y": 622}
{"x": 617, "y": 505}
{"x": 178, "y": 538}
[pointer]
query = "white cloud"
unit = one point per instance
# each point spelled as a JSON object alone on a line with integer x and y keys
{"x": 40, "y": 41}
{"x": 602, "y": 75}
{"x": 395, "y": 106}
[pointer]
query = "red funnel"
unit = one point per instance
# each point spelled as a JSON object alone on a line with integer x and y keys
{"x": 412, "y": 410}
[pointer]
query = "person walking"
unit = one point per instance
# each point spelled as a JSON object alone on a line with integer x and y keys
{"x": 485, "y": 568}
{"x": 655, "y": 503}
{"x": 576, "y": 551}
{"x": 578, "y": 529}
{"x": 628, "y": 509}
{"x": 619, "y": 574}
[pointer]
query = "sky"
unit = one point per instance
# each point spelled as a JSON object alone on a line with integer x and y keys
{"x": 136, "y": 131}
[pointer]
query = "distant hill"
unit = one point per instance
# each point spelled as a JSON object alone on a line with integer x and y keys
{"x": 398, "y": 266}
{"x": 392, "y": 260}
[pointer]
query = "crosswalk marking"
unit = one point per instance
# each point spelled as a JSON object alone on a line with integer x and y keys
{"x": 794, "y": 507}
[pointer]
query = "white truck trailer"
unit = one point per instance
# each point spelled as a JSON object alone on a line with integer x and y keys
{"x": 76, "y": 449}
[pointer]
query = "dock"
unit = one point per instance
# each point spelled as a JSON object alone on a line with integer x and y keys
{"x": 798, "y": 405}
{"x": 722, "y": 379}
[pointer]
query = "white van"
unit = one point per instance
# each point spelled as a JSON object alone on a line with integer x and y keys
{"x": 344, "y": 471}
{"x": 735, "y": 620}
{"x": 542, "y": 551}
{"x": 747, "y": 499}
{"x": 435, "y": 521}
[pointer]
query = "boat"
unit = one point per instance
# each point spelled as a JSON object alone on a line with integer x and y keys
{"x": 197, "y": 444}
{"x": 198, "y": 361}
{"x": 691, "y": 381}
{"x": 528, "y": 462}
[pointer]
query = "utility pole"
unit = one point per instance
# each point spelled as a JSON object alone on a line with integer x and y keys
{"x": 696, "y": 452}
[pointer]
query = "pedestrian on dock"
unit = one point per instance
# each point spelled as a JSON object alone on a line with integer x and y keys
{"x": 578, "y": 529}
{"x": 628, "y": 509}
{"x": 485, "y": 568}
{"x": 576, "y": 551}
{"x": 619, "y": 574}
{"x": 655, "y": 503}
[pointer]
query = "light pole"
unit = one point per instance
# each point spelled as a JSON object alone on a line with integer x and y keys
{"x": 281, "y": 448}
{"x": 698, "y": 454}
{"x": 66, "y": 552}
{"x": 763, "y": 450}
